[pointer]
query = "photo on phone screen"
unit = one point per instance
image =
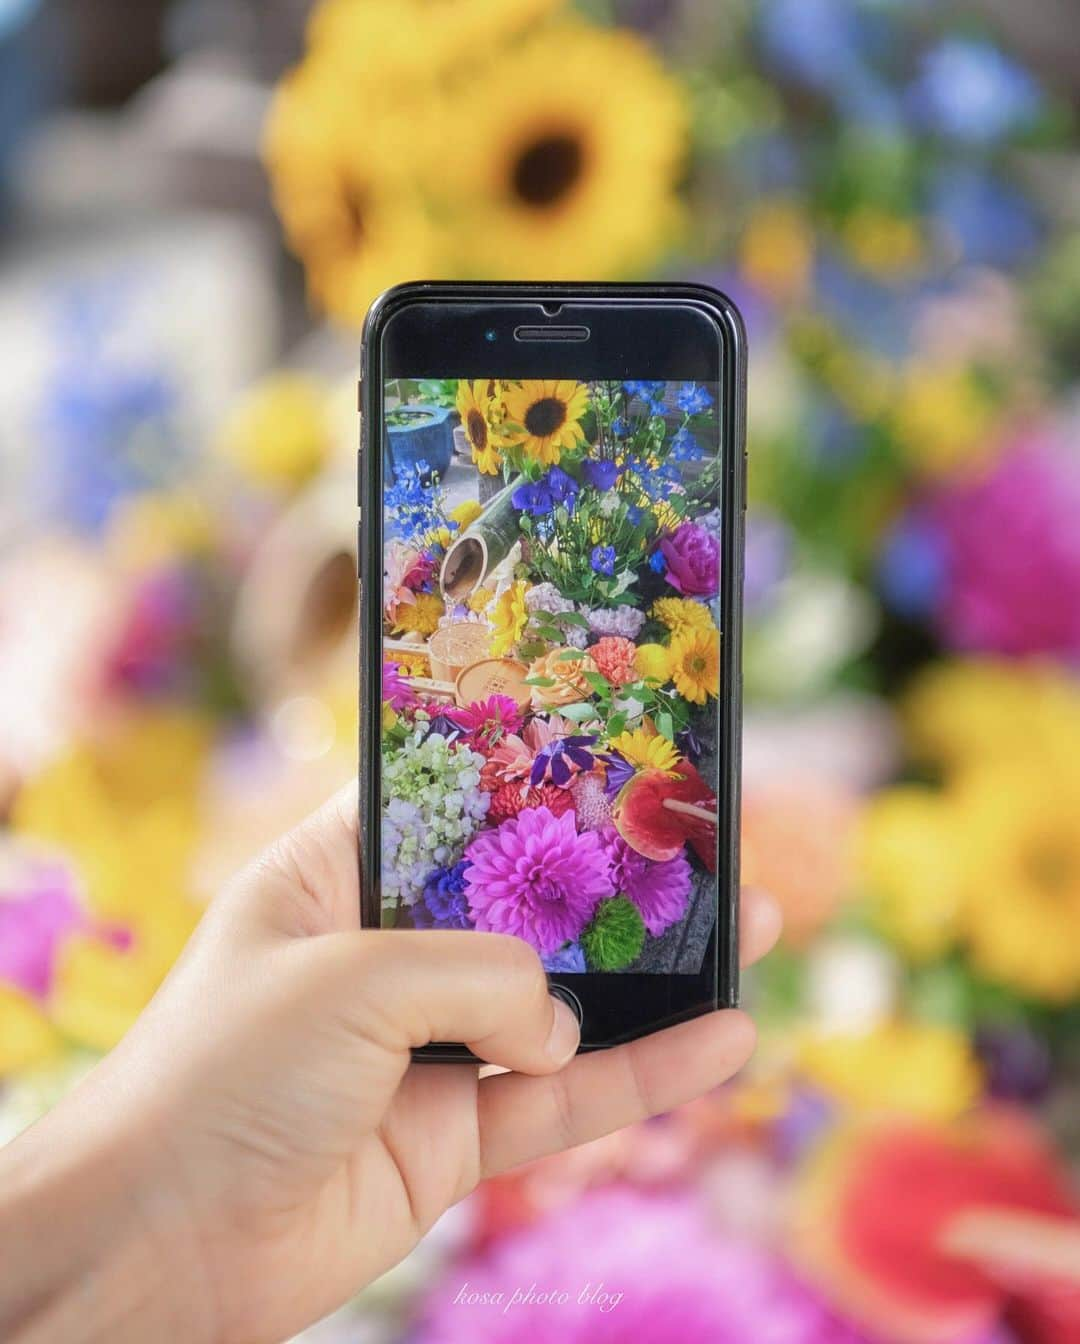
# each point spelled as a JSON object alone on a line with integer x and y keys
{"x": 551, "y": 665}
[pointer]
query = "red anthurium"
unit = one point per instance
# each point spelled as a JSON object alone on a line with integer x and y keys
{"x": 657, "y": 813}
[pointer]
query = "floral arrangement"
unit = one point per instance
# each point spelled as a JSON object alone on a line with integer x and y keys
{"x": 554, "y": 782}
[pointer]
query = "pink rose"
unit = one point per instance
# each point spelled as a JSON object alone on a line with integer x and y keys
{"x": 693, "y": 560}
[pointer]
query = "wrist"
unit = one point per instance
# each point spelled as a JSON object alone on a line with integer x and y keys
{"x": 91, "y": 1250}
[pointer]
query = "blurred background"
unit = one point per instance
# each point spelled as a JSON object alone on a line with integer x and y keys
{"x": 197, "y": 202}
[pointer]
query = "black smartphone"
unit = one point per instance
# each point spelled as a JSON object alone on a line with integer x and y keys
{"x": 552, "y": 488}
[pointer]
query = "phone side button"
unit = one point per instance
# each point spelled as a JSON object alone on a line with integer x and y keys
{"x": 569, "y": 998}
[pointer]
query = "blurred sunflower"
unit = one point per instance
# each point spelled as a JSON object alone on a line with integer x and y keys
{"x": 378, "y": 37}
{"x": 544, "y": 417}
{"x": 474, "y": 407}
{"x": 563, "y": 159}
{"x": 1020, "y": 907}
{"x": 908, "y": 1067}
{"x": 981, "y": 709}
{"x": 279, "y": 434}
{"x": 338, "y": 153}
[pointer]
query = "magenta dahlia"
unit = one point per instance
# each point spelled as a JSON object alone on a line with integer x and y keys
{"x": 536, "y": 877}
{"x": 661, "y": 891}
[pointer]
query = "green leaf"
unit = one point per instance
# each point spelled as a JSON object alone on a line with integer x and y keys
{"x": 599, "y": 683}
{"x": 569, "y": 656}
{"x": 540, "y": 681}
{"x": 666, "y": 725}
{"x": 573, "y": 618}
{"x": 616, "y": 724}
{"x": 578, "y": 713}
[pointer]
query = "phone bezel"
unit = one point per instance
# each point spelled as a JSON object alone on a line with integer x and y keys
{"x": 437, "y": 329}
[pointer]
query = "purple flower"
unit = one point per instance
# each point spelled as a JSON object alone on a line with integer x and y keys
{"x": 1012, "y": 554}
{"x": 623, "y": 620}
{"x": 661, "y": 891}
{"x": 39, "y": 911}
{"x": 558, "y": 758}
{"x": 396, "y": 691}
{"x": 603, "y": 560}
{"x": 444, "y": 903}
{"x": 563, "y": 487}
{"x": 693, "y": 559}
{"x": 677, "y": 1278}
{"x": 1017, "y": 1062}
{"x": 619, "y": 770}
{"x": 536, "y": 877}
{"x": 533, "y": 497}
{"x": 599, "y": 473}
{"x": 692, "y": 399}
{"x": 569, "y": 960}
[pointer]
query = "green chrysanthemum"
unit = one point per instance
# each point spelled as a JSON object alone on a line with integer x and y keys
{"x": 615, "y": 936}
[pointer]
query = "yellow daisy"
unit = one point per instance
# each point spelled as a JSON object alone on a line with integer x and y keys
{"x": 544, "y": 417}
{"x": 421, "y": 615}
{"x": 563, "y": 158}
{"x": 652, "y": 662}
{"x": 682, "y": 615}
{"x": 647, "y": 749}
{"x": 695, "y": 658}
{"x": 339, "y": 154}
{"x": 466, "y": 514}
{"x": 509, "y": 618}
{"x": 474, "y": 407}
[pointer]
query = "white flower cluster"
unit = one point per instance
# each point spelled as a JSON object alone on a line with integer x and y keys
{"x": 432, "y": 805}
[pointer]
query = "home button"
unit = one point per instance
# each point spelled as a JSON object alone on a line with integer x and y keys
{"x": 569, "y": 998}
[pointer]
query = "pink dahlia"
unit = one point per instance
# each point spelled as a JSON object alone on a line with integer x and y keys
{"x": 1012, "y": 554}
{"x": 614, "y": 656}
{"x": 661, "y": 891}
{"x": 693, "y": 560}
{"x": 626, "y": 1266}
{"x": 536, "y": 877}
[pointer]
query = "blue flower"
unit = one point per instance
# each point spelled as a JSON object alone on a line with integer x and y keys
{"x": 692, "y": 399}
{"x": 913, "y": 567}
{"x": 563, "y": 487}
{"x": 600, "y": 474}
{"x": 971, "y": 92}
{"x": 684, "y": 447}
{"x": 557, "y": 758}
{"x": 568, "y": 960}
{"x": 603, "y": 560}
{"x": 444, "y": 904}
{"x": 657, "y": 563}
{"x": 620, "y": 427}
{"x": 533, "y": 497}
{"x": 650, "y": 392}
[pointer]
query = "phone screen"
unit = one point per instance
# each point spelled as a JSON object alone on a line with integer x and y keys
{"x": 551, "y": 665}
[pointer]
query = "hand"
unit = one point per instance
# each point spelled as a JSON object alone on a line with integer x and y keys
{"x": 260, "y": 1146}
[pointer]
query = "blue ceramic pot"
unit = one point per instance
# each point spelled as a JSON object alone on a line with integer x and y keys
{"x": 427, "y": 435}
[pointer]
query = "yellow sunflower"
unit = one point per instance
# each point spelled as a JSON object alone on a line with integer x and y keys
{"x": 279, "y": 434}
{"x": 647, "y": 749}
{"x": 415, "y": 38}
{"x": 682, "y": 615}
{"x": 695, "y": 658}
{"x": 474, "y": 407}
{"x": 338, "y": 153}
{"x": 563, "y": 158}
{"x": 544, "y": 417}
{"x": 509, "y": 618}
